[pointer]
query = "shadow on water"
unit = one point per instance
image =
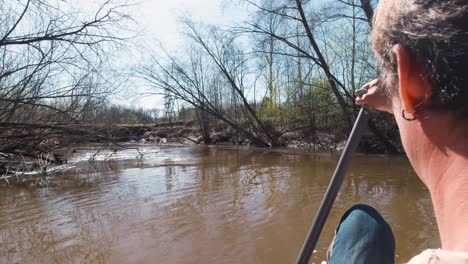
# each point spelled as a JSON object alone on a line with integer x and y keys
{"x": 205, "y": 205}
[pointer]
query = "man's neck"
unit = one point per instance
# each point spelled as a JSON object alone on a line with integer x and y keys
{"x": 445, "y": 173}
{"x": 451, "y": 207}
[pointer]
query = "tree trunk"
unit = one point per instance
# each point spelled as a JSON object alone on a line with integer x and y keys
{"x": 202, "y": 116}
{"x": 324, "y": 65}
{"x": 366, "y": 6}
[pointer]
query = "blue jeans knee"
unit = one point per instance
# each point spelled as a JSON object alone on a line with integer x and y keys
{"x": 363, "y": 237}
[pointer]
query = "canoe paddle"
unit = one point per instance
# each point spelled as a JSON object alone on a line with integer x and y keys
{"x": 335, "y": 184}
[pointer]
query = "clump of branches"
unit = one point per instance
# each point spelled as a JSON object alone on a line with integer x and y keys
{"x": 54, "y": 70}
{"x": 214, "y": 79}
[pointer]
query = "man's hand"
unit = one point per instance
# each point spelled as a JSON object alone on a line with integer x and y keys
{"x": 375, "y": 97}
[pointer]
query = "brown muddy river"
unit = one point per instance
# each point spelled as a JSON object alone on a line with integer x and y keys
{"x": 204, "y": 205}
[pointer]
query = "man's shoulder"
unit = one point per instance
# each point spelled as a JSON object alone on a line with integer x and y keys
{"x": 438, "y": 256}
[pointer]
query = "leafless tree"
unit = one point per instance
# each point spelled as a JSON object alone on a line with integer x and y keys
{"x": 54, "y": 68}
{"x": 336, "y": 50}
{"x": 215, "y": 80}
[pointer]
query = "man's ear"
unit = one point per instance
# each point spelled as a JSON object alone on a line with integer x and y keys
{"x": 414, "y": 90}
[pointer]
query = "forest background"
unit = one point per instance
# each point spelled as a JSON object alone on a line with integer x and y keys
{"x": 289, "y": 70}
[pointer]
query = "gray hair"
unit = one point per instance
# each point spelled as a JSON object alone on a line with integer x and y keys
{"x": 436, "y": 34}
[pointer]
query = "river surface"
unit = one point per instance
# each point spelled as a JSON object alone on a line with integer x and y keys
{"x": 203, "y": 205}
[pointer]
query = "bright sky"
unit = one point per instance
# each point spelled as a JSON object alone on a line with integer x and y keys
{"x": 158, "y": 19}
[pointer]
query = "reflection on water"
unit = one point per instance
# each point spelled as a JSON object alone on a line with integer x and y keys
{"x": 205, "y": 205}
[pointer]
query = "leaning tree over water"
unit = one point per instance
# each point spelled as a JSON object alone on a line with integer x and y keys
{"x": 54, "y": 68}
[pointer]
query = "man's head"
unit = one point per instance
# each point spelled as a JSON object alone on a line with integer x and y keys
{"x": 422, "y": 51}
{"x": 433, "y": 35}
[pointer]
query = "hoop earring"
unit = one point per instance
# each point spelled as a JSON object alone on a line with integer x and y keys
{"x": 406, "y": 118}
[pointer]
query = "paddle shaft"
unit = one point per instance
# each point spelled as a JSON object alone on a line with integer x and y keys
{"x": 334, "y": 187}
